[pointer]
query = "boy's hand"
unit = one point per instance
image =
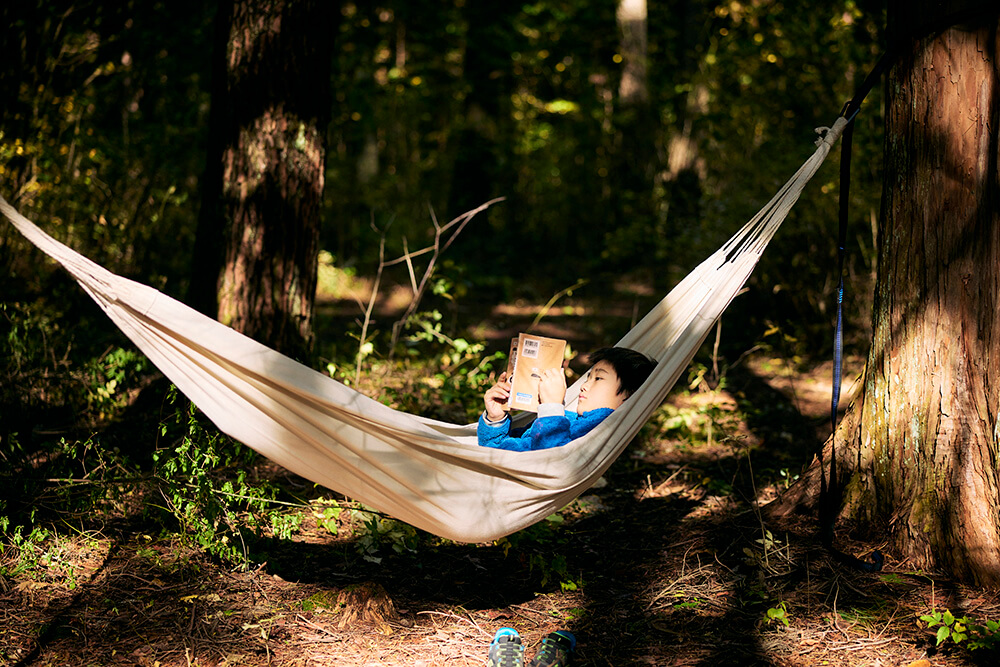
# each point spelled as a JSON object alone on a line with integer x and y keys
{"x": 552, "y": 386}
{"x": 496, "y": 399}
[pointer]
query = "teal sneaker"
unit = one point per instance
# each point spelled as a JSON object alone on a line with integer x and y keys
{"x": 555, "y": 651}
{"x": 506, "y": 649}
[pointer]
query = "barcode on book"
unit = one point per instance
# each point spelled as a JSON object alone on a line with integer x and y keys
{"x": 530, "y": 349}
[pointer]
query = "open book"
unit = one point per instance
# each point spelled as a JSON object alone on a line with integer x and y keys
{"x": 529, "y": 356}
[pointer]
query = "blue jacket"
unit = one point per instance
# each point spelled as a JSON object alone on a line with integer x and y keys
{"x": 547, "y": 431}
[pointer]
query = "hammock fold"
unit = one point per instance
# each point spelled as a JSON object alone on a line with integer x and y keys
{"x": 428, "y": 473}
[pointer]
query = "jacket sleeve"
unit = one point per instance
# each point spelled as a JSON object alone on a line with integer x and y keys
{"x": 554, "y": 427}
{"x": 556, "y": 431}
{"x": 550, "y": 429}
{"x": 495, "y": 435}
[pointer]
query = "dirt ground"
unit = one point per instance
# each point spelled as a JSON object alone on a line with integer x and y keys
{"x": 667, "y": 561}
{"x": 670, "y": 561}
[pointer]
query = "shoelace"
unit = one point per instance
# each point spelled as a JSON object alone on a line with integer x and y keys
{"x": 507, "y": 652}
{"x": 554, "y": 652}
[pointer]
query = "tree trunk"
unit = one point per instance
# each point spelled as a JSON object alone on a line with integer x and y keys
{"x": 271, "y": 106}
{"x": 635, "y": 154}
{"x": 921, "y": 445}
{"x": 632, "y": 22}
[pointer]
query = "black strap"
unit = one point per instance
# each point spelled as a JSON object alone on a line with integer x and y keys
{"x": 829, "y": 493}
{"x": 853, "y": 106}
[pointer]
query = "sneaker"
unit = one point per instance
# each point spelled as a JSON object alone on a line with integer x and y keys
{"x": 506, "y": 649}
{"x": 555, "y": 651}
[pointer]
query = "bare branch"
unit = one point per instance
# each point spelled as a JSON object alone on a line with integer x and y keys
{"x": 555, "y": 297}
{"x": 418, "y": 295}
{"x": 409, "y": 266}
{"x": 371, "y": 302}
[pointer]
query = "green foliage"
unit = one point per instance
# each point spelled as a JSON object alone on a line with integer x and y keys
{"x": 975, "y": 635}
{"x": 327, "y": 511}
{"x": 24, "y": 331}
{"x": 321, "y": 601}
{"x": 693, "y": 423}
{"x": 203, "y": 481}
{"x": 778, "y": 614}
{"x": 21, "y": 553}
{"x": 376, "y": 532}
{"x": 101, "y": 128}
{"x": 26, "y": 369}
{"x": 541, "y": 547}
{"x": 463, "y": 371}
{"x": 110, "y": 376}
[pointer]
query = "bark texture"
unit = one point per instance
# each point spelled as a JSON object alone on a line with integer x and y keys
{"x": 270, "y": 113}
{"x": 920, "y": 447}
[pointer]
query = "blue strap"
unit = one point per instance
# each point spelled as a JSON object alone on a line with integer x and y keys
{"x": 838, "y": 337}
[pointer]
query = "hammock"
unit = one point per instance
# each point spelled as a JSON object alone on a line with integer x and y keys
{"x": 427, "y": 473}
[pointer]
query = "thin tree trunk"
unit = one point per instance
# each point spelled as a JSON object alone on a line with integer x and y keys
{"x": 635, "y": 154}
{"x": 632, "y": 22}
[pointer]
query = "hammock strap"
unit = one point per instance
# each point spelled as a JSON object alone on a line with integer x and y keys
{"x": 827, "y": 510}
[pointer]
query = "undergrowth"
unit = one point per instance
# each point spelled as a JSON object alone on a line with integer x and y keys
{"x": 194, "y": 487}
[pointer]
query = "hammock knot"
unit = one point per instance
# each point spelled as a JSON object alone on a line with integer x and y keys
{"x": 829, "y": 135}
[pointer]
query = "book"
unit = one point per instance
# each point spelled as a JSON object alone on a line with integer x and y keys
{"x": 529, "y": 356}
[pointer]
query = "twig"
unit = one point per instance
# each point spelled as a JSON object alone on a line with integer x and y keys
{"x": 436, "y": 248}
{"x": 314, "y": 626}
{"x": 836, "y": 616}
{"x": 371, "y": 300}
{"x": 457, "y": 617}
{"x": 756, "y": 507}
{"x": 533, "y": 611}
{"x": 555, "y": 297}
{"x": 715, "y": 351}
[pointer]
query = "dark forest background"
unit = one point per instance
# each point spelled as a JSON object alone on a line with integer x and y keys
{"x": 440, "y": 106}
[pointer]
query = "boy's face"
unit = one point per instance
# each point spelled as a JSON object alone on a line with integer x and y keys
{"x": 600, "y": 389}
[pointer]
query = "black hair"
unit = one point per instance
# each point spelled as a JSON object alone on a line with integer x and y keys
{"x": 631, "y": 367}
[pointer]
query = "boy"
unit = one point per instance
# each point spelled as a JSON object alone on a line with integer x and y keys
{"x": 616, "y": 373}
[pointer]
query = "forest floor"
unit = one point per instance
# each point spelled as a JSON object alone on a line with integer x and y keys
{"x": 667, "y": 561}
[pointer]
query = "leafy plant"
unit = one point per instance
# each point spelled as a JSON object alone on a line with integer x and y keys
{"x": 327, "y": 511}
{"x": 109, "y": 377}
{"x": 21, "y": 553}
{"x": 964, "y": 629}
{"x": 376, "y": 532}
{"x": 539, "y": 546}
{"x": 203, "y": 481}
{"x": 778, "y": 614}
{"x": 948, "y": 627}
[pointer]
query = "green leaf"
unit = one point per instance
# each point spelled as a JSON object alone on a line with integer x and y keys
{"x": 948, "y": 617}
{"x": 942, "y": 634}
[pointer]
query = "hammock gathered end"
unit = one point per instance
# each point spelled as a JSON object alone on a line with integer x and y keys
{"x": 427, "y": 473}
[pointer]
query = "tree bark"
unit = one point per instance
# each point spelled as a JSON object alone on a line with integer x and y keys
{"x": 920, "y": 446}
{"x": 271, "y": 106}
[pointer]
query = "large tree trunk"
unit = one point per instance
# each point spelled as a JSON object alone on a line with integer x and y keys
{"x": 265, "y": 176}
{"x": 920, "y": 447}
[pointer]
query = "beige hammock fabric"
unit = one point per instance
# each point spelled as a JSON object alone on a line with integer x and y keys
{"x": 427, "y": 473}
